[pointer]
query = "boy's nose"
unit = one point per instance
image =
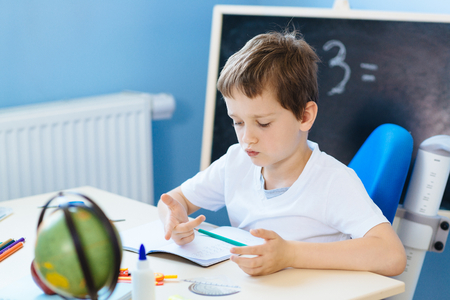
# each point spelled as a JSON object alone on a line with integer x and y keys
{"x": 249, "y": 136}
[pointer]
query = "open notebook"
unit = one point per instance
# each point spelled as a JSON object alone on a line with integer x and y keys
{"x": 204, "y": 250}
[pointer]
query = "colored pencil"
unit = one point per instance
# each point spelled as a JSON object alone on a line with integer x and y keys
{"x": 6, "y": 244}
{"x": 12, "y": 245}
{"x": 10, "y": 251}
{"x": 219, "y": 237}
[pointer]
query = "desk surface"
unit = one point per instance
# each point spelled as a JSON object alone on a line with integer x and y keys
{"x": 307, "y": 284}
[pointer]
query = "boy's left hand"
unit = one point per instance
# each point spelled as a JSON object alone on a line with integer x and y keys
{"x": 272, "y": 256}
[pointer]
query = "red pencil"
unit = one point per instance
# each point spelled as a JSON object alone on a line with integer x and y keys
{"x": 10, "y": 251}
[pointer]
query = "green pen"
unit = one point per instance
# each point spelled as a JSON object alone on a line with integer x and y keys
{"x": 219, "y": 237}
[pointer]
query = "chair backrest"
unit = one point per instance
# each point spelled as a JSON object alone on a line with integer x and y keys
{"x": 382, "y": 164}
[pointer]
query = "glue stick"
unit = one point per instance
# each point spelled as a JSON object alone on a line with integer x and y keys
{"x": 143, "y": 283}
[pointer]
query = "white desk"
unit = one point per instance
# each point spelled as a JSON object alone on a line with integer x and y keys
{"x": 286, "y": 284}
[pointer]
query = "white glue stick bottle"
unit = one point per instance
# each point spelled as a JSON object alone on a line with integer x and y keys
{"x": 143, "y": 279}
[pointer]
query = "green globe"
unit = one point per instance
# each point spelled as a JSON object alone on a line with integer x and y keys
{"x": 56, "y": 260}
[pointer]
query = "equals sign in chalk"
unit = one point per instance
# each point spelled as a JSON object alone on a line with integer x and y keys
{"x": 370, "y": 67}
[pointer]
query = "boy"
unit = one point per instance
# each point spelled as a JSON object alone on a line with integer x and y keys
{"x": 311, "y": 210}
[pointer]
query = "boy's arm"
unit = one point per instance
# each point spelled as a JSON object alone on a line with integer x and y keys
{"x": 174, "y": 209}
{"x": 379, "y": 251}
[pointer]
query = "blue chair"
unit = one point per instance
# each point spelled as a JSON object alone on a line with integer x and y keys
{"x": 382, "y": 164}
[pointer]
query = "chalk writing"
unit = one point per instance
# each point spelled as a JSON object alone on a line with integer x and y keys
{"x": 338, "y": 61}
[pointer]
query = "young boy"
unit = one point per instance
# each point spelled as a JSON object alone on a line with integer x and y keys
{"x": 311, "y": 210}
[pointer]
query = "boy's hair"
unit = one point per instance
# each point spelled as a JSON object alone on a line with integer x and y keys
{"x": 281, "y": 61}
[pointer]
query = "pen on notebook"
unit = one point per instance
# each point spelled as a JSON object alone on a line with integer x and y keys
{"x": 21, "y": 240}
{"x": 219, "y": 237}
{"x": 10, "y": 251}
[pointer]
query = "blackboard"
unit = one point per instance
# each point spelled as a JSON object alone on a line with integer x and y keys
{"x": 393, "y": 68}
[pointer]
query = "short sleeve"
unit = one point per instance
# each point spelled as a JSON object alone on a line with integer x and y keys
{"x": 206, "y": 188}
{"x": 349, "y": 207}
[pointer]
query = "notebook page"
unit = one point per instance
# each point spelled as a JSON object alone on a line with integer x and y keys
{"x": 150, "y": 234}
{"x": 203, "y": 249}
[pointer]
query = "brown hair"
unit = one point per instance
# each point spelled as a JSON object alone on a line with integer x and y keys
{"x": 282, "y": 61}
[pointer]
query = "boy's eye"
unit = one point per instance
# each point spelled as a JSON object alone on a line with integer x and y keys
{"x": 236, "y": 123}
{"x": 264, "y": 125}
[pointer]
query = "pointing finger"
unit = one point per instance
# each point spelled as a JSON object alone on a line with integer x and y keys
{"x": 197, "y": 221}
{"x": 189, "y": 226}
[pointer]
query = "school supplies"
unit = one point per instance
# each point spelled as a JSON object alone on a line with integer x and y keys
{"x": 213, "y": 286}
{"x": 143, "y": 276}
{"x": 70, "y": 242}
{"x": 219, "y": 237}
{"x": 6, "y": 244}
{"x": 4, "y": 212}
{"x": 125, "y": 279}
{"x": 159, "y": 277}
{"x": 11, "y": 251}
{"x": 125, "y": 276}
{"x": 11, "y": 245}
{"x": 124, "y": 272}
{"x": 204, "y": 250}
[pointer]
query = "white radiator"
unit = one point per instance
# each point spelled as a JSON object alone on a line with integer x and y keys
{"x": 102, "y": 141}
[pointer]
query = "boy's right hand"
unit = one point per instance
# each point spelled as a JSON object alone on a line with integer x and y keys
{"x": 177, "y": 225}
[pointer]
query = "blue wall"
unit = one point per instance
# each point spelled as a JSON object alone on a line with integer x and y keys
{"x": 52, "y": 50}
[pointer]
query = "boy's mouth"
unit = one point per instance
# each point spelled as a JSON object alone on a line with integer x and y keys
{"x": 251, "y": 153}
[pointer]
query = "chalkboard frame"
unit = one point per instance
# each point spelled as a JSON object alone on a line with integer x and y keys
{"x": 221, "y": 11}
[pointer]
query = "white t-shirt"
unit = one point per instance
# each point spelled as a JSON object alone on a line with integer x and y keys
{"x": 327, "y": 202}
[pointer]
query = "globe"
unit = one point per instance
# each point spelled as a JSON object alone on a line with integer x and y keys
{"x": 56, "y": 260}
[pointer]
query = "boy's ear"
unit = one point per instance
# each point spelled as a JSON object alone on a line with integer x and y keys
{"x": 309, "y": 116}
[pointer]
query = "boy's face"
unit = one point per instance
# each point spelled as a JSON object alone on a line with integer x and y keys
{"x": 269, "y": 133}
